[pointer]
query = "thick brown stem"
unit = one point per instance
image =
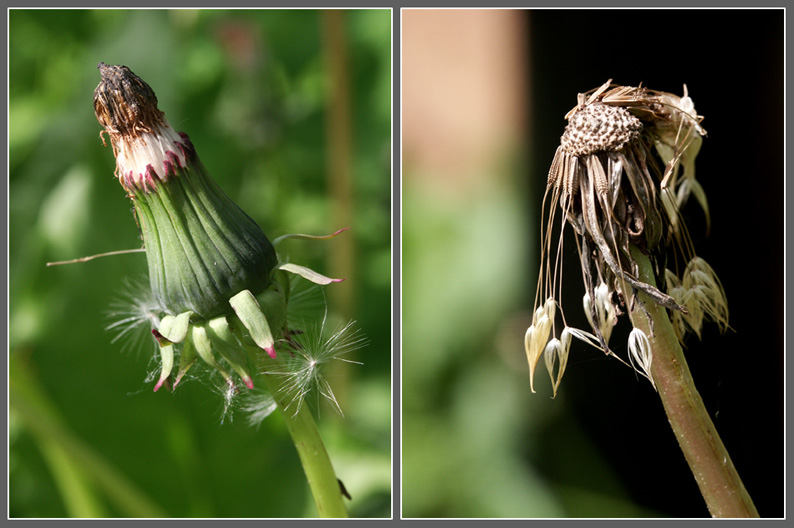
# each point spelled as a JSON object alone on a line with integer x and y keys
{"x": 703, "y": 449}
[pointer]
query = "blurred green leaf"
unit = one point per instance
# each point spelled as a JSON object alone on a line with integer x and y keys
{"x": 66, "y": 210}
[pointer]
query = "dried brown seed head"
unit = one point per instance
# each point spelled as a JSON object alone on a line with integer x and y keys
{"x": 146, "y": 148}
{"x": 124, "y": 104}
{"x": 599, "y": 127}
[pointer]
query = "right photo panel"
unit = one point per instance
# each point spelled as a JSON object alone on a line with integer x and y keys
{"x": 593, "y": 263}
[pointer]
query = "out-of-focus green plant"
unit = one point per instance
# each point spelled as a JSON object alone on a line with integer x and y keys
{"x": 253, "y": 90}
{"x": 469, "y": 424}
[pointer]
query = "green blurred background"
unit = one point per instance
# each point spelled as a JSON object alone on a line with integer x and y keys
{"x": 290, "y": 111}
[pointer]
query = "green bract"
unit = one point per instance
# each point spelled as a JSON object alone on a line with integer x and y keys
{"x": 201, "y": 247}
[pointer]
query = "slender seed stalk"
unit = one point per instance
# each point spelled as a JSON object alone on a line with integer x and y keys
{"x": 317, "y": 465}
{"x": 711, "y": 465}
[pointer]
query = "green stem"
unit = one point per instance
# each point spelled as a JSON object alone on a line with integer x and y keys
{"x": 314, "y": 457}
{"x": 703, "y": 449}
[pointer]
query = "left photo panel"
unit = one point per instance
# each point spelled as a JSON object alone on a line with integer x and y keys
{"x": 200, "y": 283}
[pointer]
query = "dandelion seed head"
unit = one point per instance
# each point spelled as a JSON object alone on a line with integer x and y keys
{"x": 616, "y": 179}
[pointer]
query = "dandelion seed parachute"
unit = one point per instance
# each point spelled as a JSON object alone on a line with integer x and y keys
{"x": 302, "y": 373}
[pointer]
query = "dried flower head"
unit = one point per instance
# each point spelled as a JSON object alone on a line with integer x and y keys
{"x": 219, "y": 292}
{"x": 623, "y": 170}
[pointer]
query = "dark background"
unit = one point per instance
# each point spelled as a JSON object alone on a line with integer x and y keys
{"x": 732, "y": 64}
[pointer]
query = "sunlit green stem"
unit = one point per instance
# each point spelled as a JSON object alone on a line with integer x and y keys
{"x": 311, "y": 449}
{"x": 703, "y": 449}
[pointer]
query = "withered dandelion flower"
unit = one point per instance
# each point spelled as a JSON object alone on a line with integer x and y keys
{"x": 622, "y": 171}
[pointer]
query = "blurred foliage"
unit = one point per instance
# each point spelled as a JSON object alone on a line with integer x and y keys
{"x": 251, "y": 88}
{"x": 472, "y": 431}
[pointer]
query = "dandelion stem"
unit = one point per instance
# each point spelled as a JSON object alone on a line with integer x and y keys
{"x": 316, "y": 464}
{"x": 711, "y": 465}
